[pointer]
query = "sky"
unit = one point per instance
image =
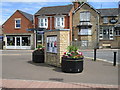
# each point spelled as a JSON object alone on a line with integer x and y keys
{"x": 8, "y": 7}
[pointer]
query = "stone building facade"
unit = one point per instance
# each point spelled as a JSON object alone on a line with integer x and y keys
{"x": 85, "y": 24}
{"x": 96, "y": 27}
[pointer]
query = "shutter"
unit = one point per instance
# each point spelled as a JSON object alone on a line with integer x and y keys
{"x": 101, "y": 34}
{"x": 111, "y": 29}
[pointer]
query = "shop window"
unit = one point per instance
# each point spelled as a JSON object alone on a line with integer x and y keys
{"x": 18, "y": 23}
{"x": 52, "y": 44}
{"x": 25, "y": 41}
{"x": 10, "y": 41}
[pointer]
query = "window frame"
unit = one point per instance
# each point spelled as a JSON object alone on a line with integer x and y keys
{"x": 88, "y": 32}
{"x": 61, "y": 22}
{"x": 105, "y": 20}
{"x": 117, "y": 32}
{"x": 84, "y": 17}
{"x": 45, "y": 22}
{"x": 17, "y": 23}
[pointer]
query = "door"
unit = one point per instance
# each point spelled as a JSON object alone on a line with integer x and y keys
{"x": 18, "y": 42}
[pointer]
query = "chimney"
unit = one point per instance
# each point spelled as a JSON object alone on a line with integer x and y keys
{"x": 76, "y": 4}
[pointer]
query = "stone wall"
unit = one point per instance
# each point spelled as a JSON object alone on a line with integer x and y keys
{"x": 93, "y": 20}
{"x": 62, "y": 44}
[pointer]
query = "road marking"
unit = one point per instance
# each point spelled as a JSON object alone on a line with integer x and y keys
{"x": 99, "y": 59}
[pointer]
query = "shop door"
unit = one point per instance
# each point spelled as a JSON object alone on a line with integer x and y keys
{"x": 18, "y": 42}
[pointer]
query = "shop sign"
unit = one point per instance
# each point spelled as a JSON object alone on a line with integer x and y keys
{"x": 113, "y": 21}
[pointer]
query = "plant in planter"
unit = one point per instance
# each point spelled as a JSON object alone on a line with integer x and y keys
{"x": 38, "y": 55}
{"x": 72, "y": 61}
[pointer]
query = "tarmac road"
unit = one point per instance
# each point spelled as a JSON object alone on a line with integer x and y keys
{"x": 17, "y": 64}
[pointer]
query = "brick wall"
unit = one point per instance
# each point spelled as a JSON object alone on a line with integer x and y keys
{"x": 9, "y": 25}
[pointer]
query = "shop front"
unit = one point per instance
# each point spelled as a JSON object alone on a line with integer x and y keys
{"x": 18, "y": 41}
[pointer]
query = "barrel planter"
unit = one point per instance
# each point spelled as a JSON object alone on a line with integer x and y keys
{"x": 72, "y": 65}
{"x": 38, "y": 56}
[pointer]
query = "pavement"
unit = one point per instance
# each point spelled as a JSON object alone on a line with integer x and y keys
{"x": 18, "y": 71}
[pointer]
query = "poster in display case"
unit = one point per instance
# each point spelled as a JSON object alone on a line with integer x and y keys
{"x": 52, "y": 44}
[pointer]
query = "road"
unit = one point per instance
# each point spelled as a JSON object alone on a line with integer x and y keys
{"x": 103, "y": 54}
{"x": 17, "y": 64}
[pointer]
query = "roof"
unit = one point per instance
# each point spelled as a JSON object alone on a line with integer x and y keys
{"x": 55, "y": 10}
{"x": 108, "y": 12}
{"x": 86, "y": 4}
{"x": 27, "y": 15}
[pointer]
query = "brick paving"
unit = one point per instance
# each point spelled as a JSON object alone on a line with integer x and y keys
{"x": 14, "y": 83}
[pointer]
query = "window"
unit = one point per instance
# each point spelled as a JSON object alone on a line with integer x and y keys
{"x": 17, "y": 23}
{"x": 59, "y": 22}
{"x": 10, "y": 41}
{"x": 117, "y": 33}
{"x": 43, "y": 22}
{"x": 25, "y": 41}
{"x": 84, "y": 16}
{"x": 105, "y": 20}
{"x": 84, "y": 43}
{"x": 85, "y": 31}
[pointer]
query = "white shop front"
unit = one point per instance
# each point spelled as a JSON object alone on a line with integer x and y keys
{"x": 18, "y": 41}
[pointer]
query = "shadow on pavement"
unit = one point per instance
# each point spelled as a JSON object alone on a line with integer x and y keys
{"x": 57, "y": 69}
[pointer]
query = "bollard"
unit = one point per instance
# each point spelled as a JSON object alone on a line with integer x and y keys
{"x": 95, "y": 54}
{"x": 114, "y": 62}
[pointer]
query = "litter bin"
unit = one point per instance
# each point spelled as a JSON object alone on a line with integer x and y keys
{"x": 38, "y": 56}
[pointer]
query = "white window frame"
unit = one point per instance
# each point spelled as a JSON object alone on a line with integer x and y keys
{"x": 61, "y": 22}
{"x": 85, "y": 16}
{"x": 117, "y": 32}
{"x": 82, "y": 31}
{"x": 105, "y": 20}
{"x": 17, "y": 23}
{"x": 45, "y": 24}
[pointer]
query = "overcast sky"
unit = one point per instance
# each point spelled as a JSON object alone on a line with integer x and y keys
{"x": 8, "y": 7}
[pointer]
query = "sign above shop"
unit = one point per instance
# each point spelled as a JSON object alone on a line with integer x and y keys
{"x": 113, "y": 21}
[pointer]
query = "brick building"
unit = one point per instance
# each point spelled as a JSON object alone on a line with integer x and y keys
{"x": 53, "y": 18}
{"x": 15, "y": 31}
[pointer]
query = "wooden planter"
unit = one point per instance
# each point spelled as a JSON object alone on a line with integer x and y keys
{"x": 38, "y": 56}
{"x": 72, "y": 65}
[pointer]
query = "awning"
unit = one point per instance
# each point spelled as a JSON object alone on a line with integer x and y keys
{"x": 35, "y": 29}
{"x": 40, "y": 32}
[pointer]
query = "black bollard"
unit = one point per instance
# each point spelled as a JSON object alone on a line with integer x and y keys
{"x": 114, "y": 63}
{"x": 95, "y": 54}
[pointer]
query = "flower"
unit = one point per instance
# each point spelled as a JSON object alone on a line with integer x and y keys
{"x": 73, "y": 52}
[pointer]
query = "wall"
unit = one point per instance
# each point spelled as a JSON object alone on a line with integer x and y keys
{"x": 93, "y": 21}
{"x": 9, "y": 25}
{"x": 62, "y": 44}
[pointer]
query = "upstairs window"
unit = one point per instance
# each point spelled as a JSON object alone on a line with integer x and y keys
{"x": 84, "y": 31}
{"x": 59, "y": 22}
{"x": 84, "y": 16}
{"x": 18, "y": 23}
{"x": 43, "y": 22}
{"x": 105, "y": 19}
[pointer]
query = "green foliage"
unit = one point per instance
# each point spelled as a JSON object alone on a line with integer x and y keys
{"x": 72, "y": 48}
{"x": 39, "y": 46}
